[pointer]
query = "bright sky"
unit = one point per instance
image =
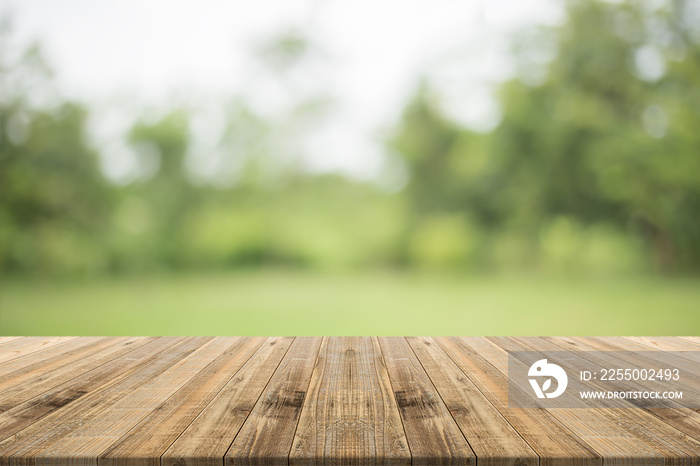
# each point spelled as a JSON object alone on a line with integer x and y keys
{"x": 372, "y": 55}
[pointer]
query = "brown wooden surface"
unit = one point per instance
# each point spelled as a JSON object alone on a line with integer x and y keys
{"x": 311, "y": 400}
{"x": 349, "y": 412}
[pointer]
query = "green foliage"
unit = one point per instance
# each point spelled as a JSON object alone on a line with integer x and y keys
{"x": 585, "y": 164}
{"x": 53, "y": 195}
{"x": 443, "y": 241}
{"x": 285, "y": 50}
{"x": 325, "y": 223}
{"x": 425, "y": 141}
{"x": 594, "y": 168}
{"x": 54, "y": 201}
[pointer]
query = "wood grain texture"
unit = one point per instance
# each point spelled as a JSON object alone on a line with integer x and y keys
{"x": 43, "y": 370}
{"x": 23, "y": 346}
{"x": 683, "y": 419}
{"x": 137, "y": 401}
{"x": 7, "y": 339}
{"x": 551, "y": 439}
{"x": 97, "y": 433}
{"x": 433, "y": 435}
{"x": 668, "y": 343}
{"x": 147, "y": 441}
{"x": 267, "y": 435}
{"x": 27, "y": 403}
{"x": 40, "y": 359}
{"x": 87, "y": 398}
{"x": 207, "y": 439}
{"x": 494, "y": 440}
{"x": 350, "y": 415}
{"x": 637, "y": 430}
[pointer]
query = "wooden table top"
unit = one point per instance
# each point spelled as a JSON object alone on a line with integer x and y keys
{"x": 313, "y": 400}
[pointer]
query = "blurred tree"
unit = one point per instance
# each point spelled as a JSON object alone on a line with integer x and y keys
{"x": 164, "y": 197}
{"x": 602, "y": 134}
{"x": 426, "y": 139}
{"x": 54, "y": 201}
{"x": 283, "y": 51}
{"x": 606, "y": 131}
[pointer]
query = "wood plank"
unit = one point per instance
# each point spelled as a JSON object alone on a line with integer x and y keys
{"x": 350, "y": 415}
{"x": 98, "y": 433}
{"x": 267, "y": 435}
{"x": 492, "y": 438}
{"x": 35, "y": 398}
{"x": 4, "y": 347}
{"x": 8, "y": 339}
{"x": 615, "y": 446}
{"x": 684, "y": 347}
{"x": 550, "y": 438}
{"x": 625, "y": 349}
{"x": 580, "y": 357}
{"x": 21, "y": 347}
{"x": 433, "y": 435}
{"x": 692, "y": 339}
{"x": 647, "y": 439}
{"x": 209, "y": 436}
{"x": 619, "y": 349}
{"x": 36, "y": 360}
{"x": 87, "y": 397}
{"x": 119, "y": 401}
{"x": 40, "y": 367}
{"x": 668, "y": 343}
{"x": 146, "y": 442}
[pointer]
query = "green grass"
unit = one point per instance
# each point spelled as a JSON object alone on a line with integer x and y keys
{"x": 290, "y": 303}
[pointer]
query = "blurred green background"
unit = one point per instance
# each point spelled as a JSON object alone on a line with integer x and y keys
{"x": 578, "y": 213}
